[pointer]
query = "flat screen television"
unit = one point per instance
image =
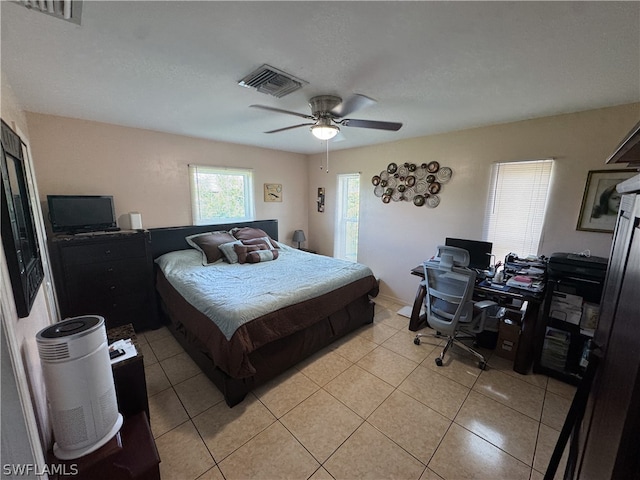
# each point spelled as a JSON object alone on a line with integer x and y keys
{"x": 479, "y": 252}
{"x": 81, "y": 213}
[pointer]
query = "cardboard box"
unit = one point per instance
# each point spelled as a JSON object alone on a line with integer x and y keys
{"x": 508, "y": 338}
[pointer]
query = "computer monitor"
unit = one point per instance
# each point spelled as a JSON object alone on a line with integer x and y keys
{"x": 479, "y": 252}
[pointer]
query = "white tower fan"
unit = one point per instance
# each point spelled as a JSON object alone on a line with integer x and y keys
{"x": 77, "y": 371}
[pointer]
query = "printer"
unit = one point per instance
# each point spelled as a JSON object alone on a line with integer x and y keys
{"x": 575, "y": 265}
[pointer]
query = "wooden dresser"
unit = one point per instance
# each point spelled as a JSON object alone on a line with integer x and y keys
{"x": 107, "y": 274}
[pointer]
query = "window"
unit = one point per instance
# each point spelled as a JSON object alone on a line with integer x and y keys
{"x": 516, "y": 206}
{"x": 221, "y": 195}
{"x": 346, "y": 236}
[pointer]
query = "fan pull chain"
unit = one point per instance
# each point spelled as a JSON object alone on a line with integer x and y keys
{"x": 327, "y": 142}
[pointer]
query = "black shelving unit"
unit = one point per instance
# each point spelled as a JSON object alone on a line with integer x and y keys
{"x": 561, "y": 344}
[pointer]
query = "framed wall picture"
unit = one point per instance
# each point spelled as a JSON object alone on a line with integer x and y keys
{"x": 272, "y": 192}
{"x": 18, "y": 228}
{"x": 601, "y": 201}
{"x": 321, "y": 199}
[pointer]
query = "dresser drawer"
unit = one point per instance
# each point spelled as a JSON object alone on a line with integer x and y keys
{"x": 104, "y": 251}
{"x": 107, "y": 277}
{"x": 110, "y": 306}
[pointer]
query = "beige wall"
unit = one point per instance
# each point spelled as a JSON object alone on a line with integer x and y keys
{"x": 21, "y": 332}
{"x": 398, "y": 236}
{"x": 147, "y": 171}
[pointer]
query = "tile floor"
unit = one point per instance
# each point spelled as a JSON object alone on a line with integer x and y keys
{"x": 373, "y": 405}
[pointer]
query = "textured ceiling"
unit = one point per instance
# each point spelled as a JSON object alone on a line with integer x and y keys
{"x": 173, "y": 66}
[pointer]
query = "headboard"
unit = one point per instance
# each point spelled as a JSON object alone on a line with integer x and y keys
{"x": 168, "y": 239}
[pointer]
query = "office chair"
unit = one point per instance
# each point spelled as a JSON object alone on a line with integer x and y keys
{"x": 448, "y": 301}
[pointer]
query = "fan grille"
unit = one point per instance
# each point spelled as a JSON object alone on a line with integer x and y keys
{"x": 272, "y": 81}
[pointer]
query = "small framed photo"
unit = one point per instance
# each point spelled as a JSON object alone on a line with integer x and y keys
{"x": 272, "y": 192}
{"x": 601, "y": 200}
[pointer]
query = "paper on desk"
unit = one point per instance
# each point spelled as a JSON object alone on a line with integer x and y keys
{"x": 525, "y": 283}
{"x": 535, "y": 271}
{"x": 126, "y": 345}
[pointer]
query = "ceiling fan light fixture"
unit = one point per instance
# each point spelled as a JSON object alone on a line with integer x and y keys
{"x": 324, "y": 131}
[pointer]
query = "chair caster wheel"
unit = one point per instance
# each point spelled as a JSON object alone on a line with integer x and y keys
{"x": 416, "y": 340}
{"x": 439, "y": 361}
{"x": 482, "y": 365}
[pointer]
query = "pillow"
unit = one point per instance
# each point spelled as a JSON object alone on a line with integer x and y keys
{"x": 260, "y": 241}
{"x": 229, "y": 252}
{"x": 208, "y": 243}
{"x": 262, "y": 256}
{"x": 243, "y": 250}
{"x": 249, "y": 233}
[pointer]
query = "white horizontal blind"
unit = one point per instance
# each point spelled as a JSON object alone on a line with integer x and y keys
{"x": 221, "y": 195}
{"x": 516, "y": 206}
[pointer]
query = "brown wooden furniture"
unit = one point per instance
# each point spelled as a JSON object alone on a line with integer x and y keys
{"x": 605, "y": 429}
{"x": 610, "y": 447}
{"x": 530, "y": 323}
{"x": 107, "y": 274}
{"x": 130, "y": 455}
{"x": 327, "y": 318}
{"x": 128, "y": 376}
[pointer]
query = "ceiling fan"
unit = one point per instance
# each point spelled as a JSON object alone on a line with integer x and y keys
{"x": 328, "y": 111}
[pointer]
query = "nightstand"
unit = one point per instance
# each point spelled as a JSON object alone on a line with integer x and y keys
{"x": 130, "y": 455}
{"x": 128, "y": 376}
{"x": 307, "y": 250}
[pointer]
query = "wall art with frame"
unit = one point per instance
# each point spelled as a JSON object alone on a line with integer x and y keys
{"x": 601, "y": 201}
{"x": 18, "y": 228}
{"x": 273, "y": 192}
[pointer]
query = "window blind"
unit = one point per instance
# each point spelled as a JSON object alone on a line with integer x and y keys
{"x": 516, "y": 206}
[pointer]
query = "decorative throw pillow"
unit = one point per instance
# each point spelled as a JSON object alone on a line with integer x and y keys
{"x": 243, "y": 250}
{"x": 262, "y": 256}
{"x": 249, "y": 233}
{"x": 208, "y": 243}
{"x": 260, "y": 241}
{"x": 229, "y": 252}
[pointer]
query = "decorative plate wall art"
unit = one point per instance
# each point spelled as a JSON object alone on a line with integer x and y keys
{"x": 408, "y": 182}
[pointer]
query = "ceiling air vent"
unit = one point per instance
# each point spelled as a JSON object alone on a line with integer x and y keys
{"x": 272, "y": 81}
{"x": 68, "y": 10}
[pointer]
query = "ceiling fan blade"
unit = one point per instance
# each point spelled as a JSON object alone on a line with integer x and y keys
{"x": 338, "y": 138}
{"x": 289, "y": 128}
{"x": 279, "y": 110}
{"x": 351, "y": 104}
{"x": 352, "y": 122}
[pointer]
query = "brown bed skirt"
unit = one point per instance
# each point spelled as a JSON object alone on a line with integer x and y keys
{"x": 294, "y": 334}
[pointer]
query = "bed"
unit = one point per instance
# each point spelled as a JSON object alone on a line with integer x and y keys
{"x": 245, "y": 323}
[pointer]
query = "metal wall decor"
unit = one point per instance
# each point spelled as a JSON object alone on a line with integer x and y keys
{"x": 320, "y": 199}
{"x": 409, "y": 182}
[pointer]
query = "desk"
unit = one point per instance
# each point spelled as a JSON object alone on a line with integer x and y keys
{"x": 525, "y": 354}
